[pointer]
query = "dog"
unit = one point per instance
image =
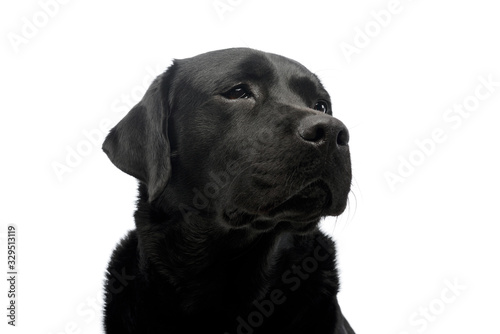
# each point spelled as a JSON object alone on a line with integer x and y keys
{"x": 238, "y": 158}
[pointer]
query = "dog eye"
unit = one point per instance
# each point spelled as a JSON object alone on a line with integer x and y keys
{"x": 321, "y": 106}
{"x": 238, "y": 92}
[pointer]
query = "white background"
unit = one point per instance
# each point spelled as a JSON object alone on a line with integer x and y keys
{"x": 398, "y": 249}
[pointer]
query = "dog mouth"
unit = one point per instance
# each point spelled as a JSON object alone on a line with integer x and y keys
{"x": 300, "y": 212}
{"x": 311, "y": 201}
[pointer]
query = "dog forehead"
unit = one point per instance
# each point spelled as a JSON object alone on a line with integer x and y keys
{"x": 231, "y": 66}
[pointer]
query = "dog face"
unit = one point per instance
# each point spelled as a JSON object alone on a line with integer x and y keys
{"x": 243, "y": 137}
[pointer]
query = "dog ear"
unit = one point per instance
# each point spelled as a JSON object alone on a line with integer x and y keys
{"x": 138, "y": 144}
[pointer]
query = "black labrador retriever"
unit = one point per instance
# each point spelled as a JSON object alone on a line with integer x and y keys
{"x": 238, "y": 158}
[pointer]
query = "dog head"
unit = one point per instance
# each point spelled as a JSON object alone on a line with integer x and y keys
{"x": 242, "y": 136}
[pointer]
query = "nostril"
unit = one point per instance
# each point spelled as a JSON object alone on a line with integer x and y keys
{"x": 343, "y": 137}
{"x": 314, "y": 133}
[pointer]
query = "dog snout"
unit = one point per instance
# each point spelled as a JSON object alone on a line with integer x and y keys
{"x": 323, "y": 130}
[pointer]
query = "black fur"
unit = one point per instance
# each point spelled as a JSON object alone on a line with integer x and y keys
{"x": 236, "y": 164}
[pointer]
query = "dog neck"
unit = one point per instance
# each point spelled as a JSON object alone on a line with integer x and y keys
{"x": 199, "y": 256}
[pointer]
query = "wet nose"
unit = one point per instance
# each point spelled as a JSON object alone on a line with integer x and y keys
{"x": 322, "y": 129}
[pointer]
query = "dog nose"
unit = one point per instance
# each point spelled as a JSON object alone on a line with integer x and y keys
{"x": 322, "y": 129}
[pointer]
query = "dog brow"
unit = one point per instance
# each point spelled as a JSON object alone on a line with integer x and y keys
{"x": 306, "y": 88}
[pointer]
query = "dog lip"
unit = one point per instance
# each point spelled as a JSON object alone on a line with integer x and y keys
{"x": 306, "y": 204}
{"x": 311, "y": 200}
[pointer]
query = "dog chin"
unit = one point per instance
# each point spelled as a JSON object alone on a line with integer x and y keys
{"x": 258, "y": 223}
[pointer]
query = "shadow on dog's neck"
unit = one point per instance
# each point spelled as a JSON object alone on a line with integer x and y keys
{"x": 200, "y": 255}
